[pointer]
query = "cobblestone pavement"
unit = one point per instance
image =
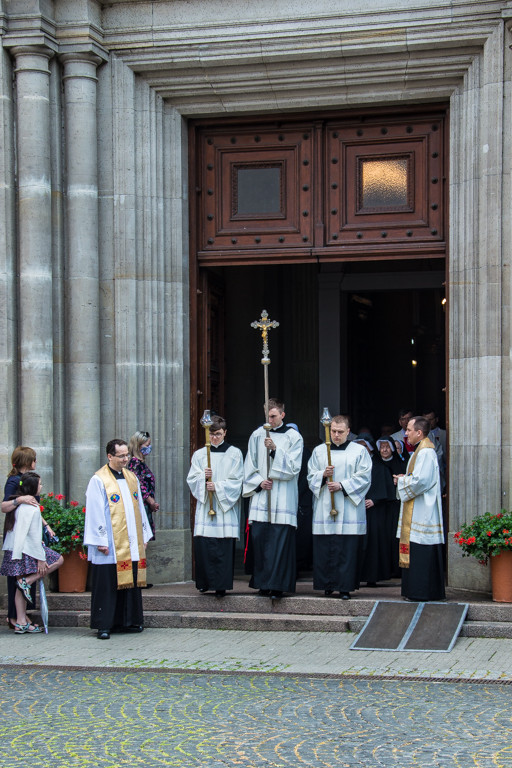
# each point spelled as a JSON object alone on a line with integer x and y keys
{"x": 114, "y": 718}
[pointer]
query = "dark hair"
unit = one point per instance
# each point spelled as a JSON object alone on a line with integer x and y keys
{"x": 218, "y": 422}
{"x": 22, "y": 457}
{"x": 28, "y": 486}
{"x": 404, "y": 411}
{"x": 111, "y": 445}
{"x": 275, "y": 403}
{"x": 421, "y": 423}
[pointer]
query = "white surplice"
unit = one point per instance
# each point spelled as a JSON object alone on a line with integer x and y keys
{"x": 98, "y": 525}
{"x": 284, "y": 471}
{"x": 424, "y": 486}
{"x": 227, "y": 474}
{"x": 352, "y": 468}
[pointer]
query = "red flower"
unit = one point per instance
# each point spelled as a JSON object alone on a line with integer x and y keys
{"x": 73, "y": 503}
{"x": 489, "y": 533}
{"x": 60, "y": 496}
{"x": 83, "y": 510}
{"x": 82, "y": 556}
{"x": 41, "y": 508}
{"x": 505, "y": 531}
{"x": 471, "y": 540}
{"x": 50, "y": 495}
{"x": 75, "y": 536}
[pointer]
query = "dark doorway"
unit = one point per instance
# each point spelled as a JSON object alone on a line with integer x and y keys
{"x": 381, "y": 346}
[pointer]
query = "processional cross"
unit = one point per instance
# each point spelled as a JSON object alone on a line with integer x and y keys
{"x": 264, "y": 324}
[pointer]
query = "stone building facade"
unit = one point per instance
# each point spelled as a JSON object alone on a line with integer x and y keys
{"x": 94, "y": 233}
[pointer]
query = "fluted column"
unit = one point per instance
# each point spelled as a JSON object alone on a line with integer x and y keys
{"x": 82, "y": 278}
{"x": 34, "y": 252}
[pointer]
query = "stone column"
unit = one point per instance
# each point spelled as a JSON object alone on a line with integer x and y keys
{"x": 34, "y": 253}
{"x": 82, "y": 343}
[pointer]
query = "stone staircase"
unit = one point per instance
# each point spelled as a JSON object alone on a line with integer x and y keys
{"x": 179, "y": 605}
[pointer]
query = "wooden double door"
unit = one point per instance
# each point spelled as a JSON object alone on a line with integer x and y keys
{"x": 306, "y": 190}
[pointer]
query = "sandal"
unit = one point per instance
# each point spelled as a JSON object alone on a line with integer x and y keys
{"x": 11, "y": 624}
{"x": 25, "y": 588}
{"x": 22, "y": 629}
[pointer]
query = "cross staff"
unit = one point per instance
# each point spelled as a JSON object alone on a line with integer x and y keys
{"x": 264, "y": 324}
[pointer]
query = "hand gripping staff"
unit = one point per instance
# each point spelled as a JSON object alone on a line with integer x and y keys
{"x": 326, "y": 420}
{"x": 264, "y": 324}
{"x": 206, "y": 422}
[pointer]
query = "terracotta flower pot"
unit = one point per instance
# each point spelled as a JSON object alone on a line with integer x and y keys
{"x": 73, "y": 572}
{"x": 501, "y": 577}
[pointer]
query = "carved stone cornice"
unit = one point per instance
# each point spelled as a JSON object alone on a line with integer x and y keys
{"x": 38, "y": 28}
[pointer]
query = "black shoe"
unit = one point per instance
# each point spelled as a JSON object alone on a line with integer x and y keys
{"x": 276, "y": 594}
{"x": 328, "y": 592}
{"x": 103, "y": 634}
{"x": 264, "y": 592}
{"x": 371, "y": 583}
{"x": 148, "y": 586}
{"x": 203, "y": 590}
{"x": 133, "y": 629}
{"x": 345, "y": 595}
{"x": 220, "y": 593}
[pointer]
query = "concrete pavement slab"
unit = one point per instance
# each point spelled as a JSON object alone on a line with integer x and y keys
{"x": 307, "y": 653}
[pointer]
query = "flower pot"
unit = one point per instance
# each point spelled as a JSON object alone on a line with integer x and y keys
{"x": 73, "y": 572}
{"x": 501, "y": 577}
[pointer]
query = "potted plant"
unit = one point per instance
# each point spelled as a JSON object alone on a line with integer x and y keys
{"x": 67, "y": 522}
{"x": 490, "y": 536}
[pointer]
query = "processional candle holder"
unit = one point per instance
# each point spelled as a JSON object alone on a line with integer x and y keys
{"x": 206, "y": 422}
{"x": 326, "y": 420}
{"x": 264, "y": 324}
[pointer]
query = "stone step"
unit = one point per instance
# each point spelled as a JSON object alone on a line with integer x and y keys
{"x": 496, "y": 629}
{"x": 249, "y": 604}
{"x": 276, "y": 622}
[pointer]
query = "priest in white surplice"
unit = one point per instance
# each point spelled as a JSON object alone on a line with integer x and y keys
{"x": 420, "y": 526}
{"x": 273, "y": 541}
{"x": 215, "y": 535}
{"x": 116, "y": 533}
{"x": 338, "y": 540}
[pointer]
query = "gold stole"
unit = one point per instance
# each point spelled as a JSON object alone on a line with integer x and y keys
{"x": 405, "y": 531}
{"x": 120, "y": 529}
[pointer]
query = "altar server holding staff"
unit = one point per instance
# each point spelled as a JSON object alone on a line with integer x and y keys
{"x": 215, "y": 535}
{"x": 273, "y": 531}
{"x": 338, "y": 539}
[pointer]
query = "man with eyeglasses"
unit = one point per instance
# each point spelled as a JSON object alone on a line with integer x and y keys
{"x": 116, "y": 533}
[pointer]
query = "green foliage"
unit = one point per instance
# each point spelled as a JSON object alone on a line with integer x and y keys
{"x": 488, "y": 535}
{"x": 66, "y": 520}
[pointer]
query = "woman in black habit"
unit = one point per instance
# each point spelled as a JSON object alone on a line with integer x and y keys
{"x": 382, "y": 508}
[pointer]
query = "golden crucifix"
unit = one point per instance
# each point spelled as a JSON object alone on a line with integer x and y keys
{"x": 264, "y": 325}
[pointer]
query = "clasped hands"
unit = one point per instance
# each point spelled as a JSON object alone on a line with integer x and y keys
{"x": 332, "y": 485}
{"x": 210, "y": 485}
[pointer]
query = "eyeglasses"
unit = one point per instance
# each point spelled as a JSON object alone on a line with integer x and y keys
{"x": 121, "y": 455}
{"x": 145, "y": 435}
